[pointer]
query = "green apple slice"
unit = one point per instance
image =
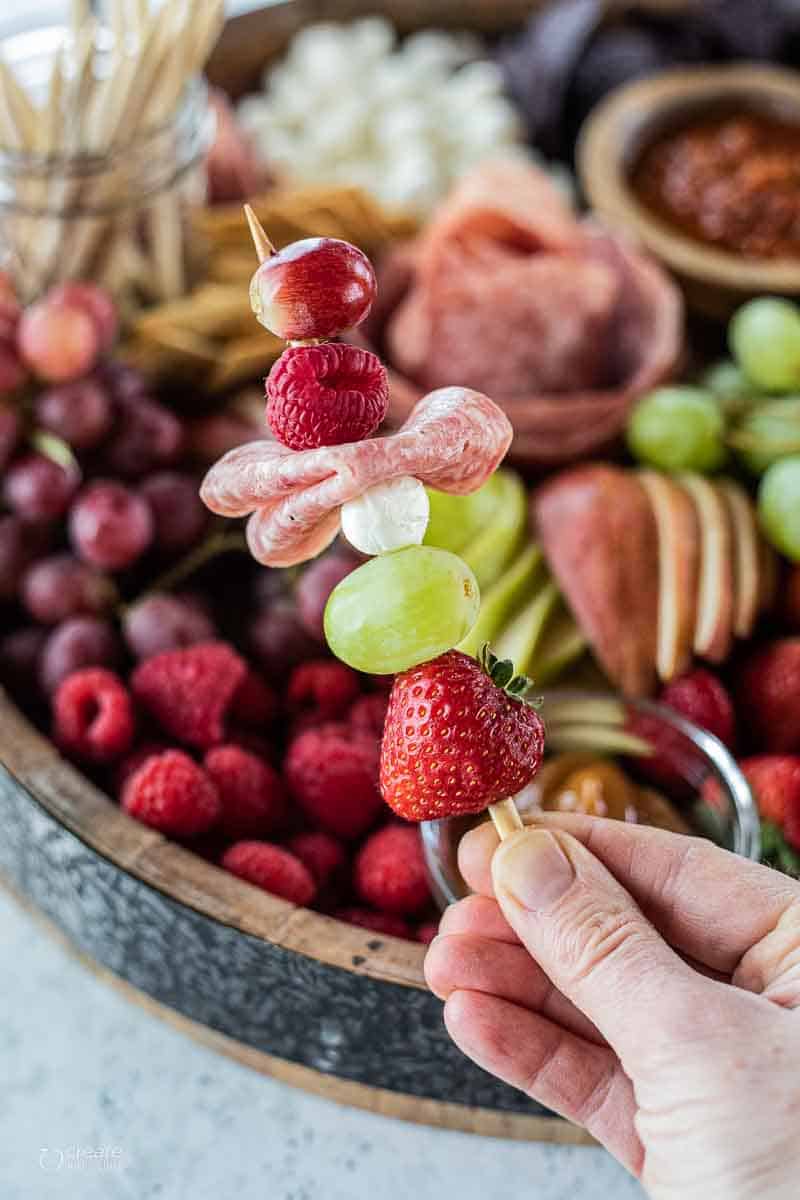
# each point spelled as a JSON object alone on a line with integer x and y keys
{"x": 491, "y": 550}
{"x": 455, "y": 520}
{"x": 562, "y": 642}
{"x": 520, "y": 638}
{"x": 503, "y": 599}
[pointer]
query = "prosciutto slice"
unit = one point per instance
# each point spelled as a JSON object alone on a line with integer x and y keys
{"x": 453, "y": 440}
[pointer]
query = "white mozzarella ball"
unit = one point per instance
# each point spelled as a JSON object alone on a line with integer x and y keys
{"x": 387, "y": 516}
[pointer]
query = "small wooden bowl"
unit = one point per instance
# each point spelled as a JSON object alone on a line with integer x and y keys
{"x": 715, "y": 281}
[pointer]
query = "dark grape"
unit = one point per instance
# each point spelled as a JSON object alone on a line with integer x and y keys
{"x": 123, "y": 381}
{"x": 147, "y": 436}
{"x": 14, "y": 556}
{"x": 315, "y": 586}
{"x": 39, "y": 489}
{"x": 269, "y": 584}
{"x": 60, "y": 586}
{"x": 9, "y": 431}
{"x": 278, "y": 640}
{"x": 20, "y": 652}
{"x": 164, "y": 622}
{"x": 109, "y": 525}
{"x": 76, "y": 643}
{"x": 80, "y": 413}
{"x": 12, "y": 372}
{"x": 179, "y": 514}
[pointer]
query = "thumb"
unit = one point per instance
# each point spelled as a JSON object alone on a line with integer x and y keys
{"x": 595, "y": 944}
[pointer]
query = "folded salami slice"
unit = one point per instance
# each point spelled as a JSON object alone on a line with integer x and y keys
{"x": 565, "y": 325}
{"x": 453, "y": 440}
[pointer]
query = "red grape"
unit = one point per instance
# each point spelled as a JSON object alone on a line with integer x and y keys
{"x": 314, "y": 288}
{"x": 124, "y": 381}
{"x": 93, "y": 300}
{"x": 75, "y": 643}
{"x": 164, "y": 622}
{"x": 39, "y": 489}
{"x": 315, "y": 586}
{"x": 79, "y": 413}
{"x": 9, "y": 432}
{"x": 147, "y": 436}
{"x": 278, "y": 640}
{"x": 14, "y": 555}
{"x": 179, "y": 514}
{"x": 109, "y": 525}
{"x": 58, "y": 342}
{"x": 12, "y": 372}
{"x": 20, "y": 652}
{"x": 60, "y": 586}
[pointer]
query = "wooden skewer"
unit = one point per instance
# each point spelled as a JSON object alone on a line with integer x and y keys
{"x": 264, "y": 247}
{"x": 505, "y": 817}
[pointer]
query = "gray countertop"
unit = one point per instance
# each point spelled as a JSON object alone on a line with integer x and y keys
{"x": 102, "y": 1101}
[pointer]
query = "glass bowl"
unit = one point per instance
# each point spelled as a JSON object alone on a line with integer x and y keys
{"x": 631, "y": 732}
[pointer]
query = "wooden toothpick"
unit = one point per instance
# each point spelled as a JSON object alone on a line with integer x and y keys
{"x": 506, "y": 817}
{"x": 264, "y": 247}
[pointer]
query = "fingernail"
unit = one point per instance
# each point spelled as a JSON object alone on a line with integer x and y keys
{"x": 533, "y": 869}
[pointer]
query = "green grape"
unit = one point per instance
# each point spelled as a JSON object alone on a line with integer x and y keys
{"x": 455, "y": 520}
{"x": 764, "y": 337}
{"x": 733, "y": 391}
{"x": 400, "y": 609}
{"x": 779, "y": 506}
{"x": 768, "y": 433}
{"x": 678, "y": 429}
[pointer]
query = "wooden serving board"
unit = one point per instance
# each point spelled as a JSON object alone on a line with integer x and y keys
{"x": 328, "y": 1007}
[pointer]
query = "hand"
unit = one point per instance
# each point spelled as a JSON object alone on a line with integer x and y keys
{"x": 642, "y": 984}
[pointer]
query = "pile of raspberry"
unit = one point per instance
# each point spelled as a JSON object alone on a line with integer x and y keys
{"x": 275, "y": 782}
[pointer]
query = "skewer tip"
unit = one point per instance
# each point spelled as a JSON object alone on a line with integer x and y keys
{"x": 264, "y": 247}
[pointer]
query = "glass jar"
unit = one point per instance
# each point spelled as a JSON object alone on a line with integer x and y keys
{"x": 629, "y": 731}
{"x": 117, "y": 215}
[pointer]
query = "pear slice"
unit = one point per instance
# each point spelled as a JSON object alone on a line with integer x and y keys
{"x": 678, "y": 566}
{"x": 713, "y": 633}
{"x": 519, "y": 639}
{"x": 746, "y": 565}
{"x": 503, "y": 599}
{"x": 599, "y": 537}
{"x": 562, "y": 642}
{"x": 489, "y": 552}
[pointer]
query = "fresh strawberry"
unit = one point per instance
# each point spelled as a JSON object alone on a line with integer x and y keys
{"x": 700, "y": 697}
{"x": 459, "y": 736}
{"x": 768, "y": 693}
{"x": 774, "y": 781}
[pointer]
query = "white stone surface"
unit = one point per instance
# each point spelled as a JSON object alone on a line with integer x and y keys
{"x": 83, "y": 1068}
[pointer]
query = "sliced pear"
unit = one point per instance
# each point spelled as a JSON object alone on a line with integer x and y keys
{"x": 599, "y": 537}
{"x": 504, "y": 598}
{"x": 746, "y": 566}
{"x": 490, "y": 551}
{"x": 713, "y": 633}
{"x": 562, "y": 642}
{"x": 583, "y": 710}
{"x": 606, "y": 739}
{"x": 678, "y": 565}
{"x": 519, "y": 639}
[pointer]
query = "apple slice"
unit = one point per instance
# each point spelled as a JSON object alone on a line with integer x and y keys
{"x": 503, "y": 599}
{"x": 746, "y": 566}
{"x": 599, "y": 536}
{"x": 678, "y": 567}
{"x": 520, "y": 638}
{"x": 562, "y": 642}
{"x": 713, "y": 633}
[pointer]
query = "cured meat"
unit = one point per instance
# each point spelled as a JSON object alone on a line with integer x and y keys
{"x": 565, "y": 325}
{"x": 453, "y": 440}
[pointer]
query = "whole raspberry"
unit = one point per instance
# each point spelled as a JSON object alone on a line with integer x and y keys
{"x": 333, "y": 774}
{"x": 700, "y": 697}
{"x": 323, "y": 687}
{"x": 171, "y": 793}
{"x": 250, "y": 792}
{"x": 326, "y": 395}
{"x": 389, "y": 871}
{"x": 189, "y": 692}
{"x": 271, "y": 868}
{"x": 368, "y": 713}
{"x": 93, "y": 715}
{"x": 324, "y": 855}
{"x": 380, "y": 922}
{"x": 130, "y": 764}
{"x": 254, "y": 702}
{"x": 426, "y": 932}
